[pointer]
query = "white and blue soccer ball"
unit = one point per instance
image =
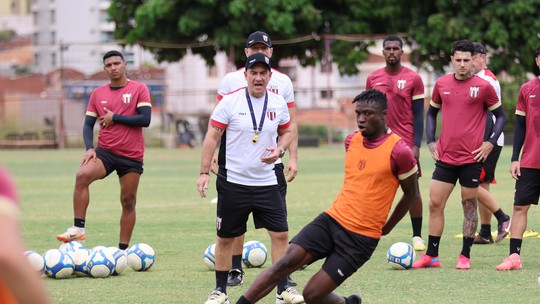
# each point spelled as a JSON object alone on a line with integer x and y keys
{"x": 120, "y": 259}
{"x": 209, "y": 257}
{"x": 58, "y": 265}
{"x": 80, "y": 259}
{"x": 70, "y": 246}
{"x": 97, "y": 248}
{"x": 36, "y": 261}
{"x": 401, "y": 255}
{"x": 254, "y": 254}
{"x": 141, "y": 257}
{"x": 100, "y": 264}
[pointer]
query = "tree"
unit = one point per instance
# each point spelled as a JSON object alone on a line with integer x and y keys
{"x": 171, "y": 28}
{"x": 508, "y": 29}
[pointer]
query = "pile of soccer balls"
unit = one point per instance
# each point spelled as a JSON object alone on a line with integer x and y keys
{"x": 254, "y": 254}
{"x": 99, "y": 262}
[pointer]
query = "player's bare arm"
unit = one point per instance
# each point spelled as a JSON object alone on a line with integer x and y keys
{"x": 209, "y": 146}
{"x": 291, "y": 170}
{"x": 410, "y": 194}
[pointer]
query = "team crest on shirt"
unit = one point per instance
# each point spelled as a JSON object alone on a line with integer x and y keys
{"x": 271, "y": 114}
{"x": 126, "y": 98}
{"x": 362, "y": 164}
{"x": 474, "y": 91}
{"x": 401, "y": 84}
{"x": 273, "y": 88}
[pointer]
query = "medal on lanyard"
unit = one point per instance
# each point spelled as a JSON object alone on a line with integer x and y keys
{"x": 261, "y": 122}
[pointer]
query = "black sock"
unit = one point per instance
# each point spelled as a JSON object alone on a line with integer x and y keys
{"x": 353, "y": 299}
{"x": 79, "y": 222}
{"x": 123, "y": 246}
{"x": 243, "y": 300}
{"x": 485, "y": 230}
{"x": 221, "y": 280}
{"x": 416, "y": 226}
{"x": 501, "y": 216}
{"x": 466, "y": 248}
{"x": 281, "y": 286}
{"x": 515, "y": 246}
{"x": 433, "y": 245}
{"x": 237, "y": 262}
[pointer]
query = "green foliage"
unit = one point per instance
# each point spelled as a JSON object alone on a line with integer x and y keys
{"x": 169, "y": 28}
{"x": 6, "y": 35}
{"x": 318, "y": 131}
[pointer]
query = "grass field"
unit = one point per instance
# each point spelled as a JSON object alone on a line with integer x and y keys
{"x": 180, "y": 225}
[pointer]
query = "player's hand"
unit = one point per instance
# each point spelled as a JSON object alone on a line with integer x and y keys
{"x": 106, "y": 120}
{"x": 271, "y": 156}
{"x": 88, "y": 156}
{"x": 432, "y": 146}
{"x": 291, "y": 170}
{"x": 214, "y": 166}
{"x": 483, "y": 152}
{"x": 202, "y": 184}
{"x": 515, "y": 170}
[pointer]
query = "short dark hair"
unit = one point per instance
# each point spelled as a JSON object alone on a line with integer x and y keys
{"x": 393, "y": 38}
{"x": 112, "y": 54}
{"x": 537, "y": 51}
{"x": 372, "y": 96}
{"x": 462, "y": 46}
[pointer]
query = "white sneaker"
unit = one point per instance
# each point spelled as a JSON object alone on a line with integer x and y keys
{"x": 418, "y": 244}
{"x": 72, "y": 234}
{"x": 290, "y": 296}
{"x": 217, "y": 297}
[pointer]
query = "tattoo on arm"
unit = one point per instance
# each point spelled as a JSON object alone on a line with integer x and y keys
{"x": 470, "y": 217}
{"x": 217, "y": 128}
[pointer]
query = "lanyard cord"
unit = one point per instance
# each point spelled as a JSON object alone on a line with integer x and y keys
{"x": 263, "y": 114}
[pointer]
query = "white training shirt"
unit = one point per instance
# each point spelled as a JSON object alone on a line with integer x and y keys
{"x": 495, "y": 84}
{"x": 243, "y": 156}
{"x": 279, "y": 83}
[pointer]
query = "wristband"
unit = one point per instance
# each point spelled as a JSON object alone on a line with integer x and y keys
{"x": 204, "y": 173}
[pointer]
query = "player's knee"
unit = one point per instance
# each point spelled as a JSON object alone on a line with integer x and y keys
{"x": 312, "y": 295}
{"x": 128, "y": 202}
{"x": 279, "y": 236}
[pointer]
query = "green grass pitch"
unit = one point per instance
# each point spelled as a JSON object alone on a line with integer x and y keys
{"x": 179, "y": 225}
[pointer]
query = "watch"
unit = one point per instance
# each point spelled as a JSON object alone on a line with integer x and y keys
{"x": 282, "y": 153}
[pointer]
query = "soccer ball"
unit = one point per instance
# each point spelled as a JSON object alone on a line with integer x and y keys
{"x": 80, "y": 259}
{"x": 120, "y": 259}
{"x": 71, "y": 246}
{"x": 97, "y": 248}
{"x": 141, "y": 257}
{"x": 209, "y": 257}
{"x": 58, "y": 265}
{"x": 401, "y": 255}
{"x": 36, "y": 261}
{"x": 254, "y": 254}
{"x": 100, "y": 264}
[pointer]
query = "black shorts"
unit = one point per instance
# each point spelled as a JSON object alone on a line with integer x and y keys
{"x": 122, "y": 165}
{"x": 468, "y": 175}
{"x": 282, "y": 182}
{"x": 488, "y": 167}
{"x": 344, "y": 251}
{"x": 236, "y": 202}
{"x": 527, "y": 187}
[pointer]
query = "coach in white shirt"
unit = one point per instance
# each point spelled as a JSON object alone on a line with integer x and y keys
{"x": 247, "y": 122}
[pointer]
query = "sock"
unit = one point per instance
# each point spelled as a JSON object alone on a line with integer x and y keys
{"x": 221, "y": 280}
{"x": 79, "y": 222}
{"x": 501, "y": 216}
{"x": 281, "y": 286}
{"x": 515, "y": 246}
{"x": 243, "y": 300}
{"x": 237, "y": 262}
{"x": 467, "y": 244}
{"x": 123, "y": 246}
{"x": 353, "y": 299}
{"x": 416, "y": 226}
{"x": 485, "y": 230}
{"x": 433, "y": 245}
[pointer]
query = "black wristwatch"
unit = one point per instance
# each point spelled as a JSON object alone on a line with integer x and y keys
{"x": 282, "y": 153}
